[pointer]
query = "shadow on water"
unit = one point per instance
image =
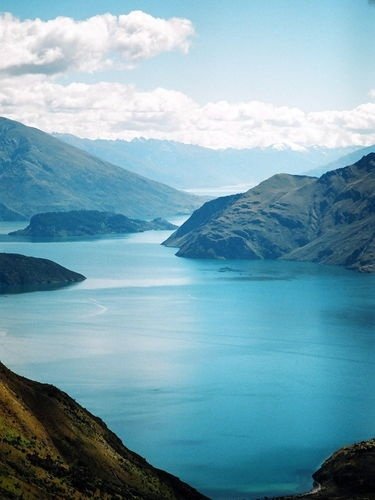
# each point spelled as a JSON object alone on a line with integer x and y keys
{"x": 11, "y": 290}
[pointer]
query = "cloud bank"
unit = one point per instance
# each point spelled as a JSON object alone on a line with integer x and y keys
{"x": 64, "y": 44}
{"x": 35, "y": 54}
{"x": 118, "y": 111}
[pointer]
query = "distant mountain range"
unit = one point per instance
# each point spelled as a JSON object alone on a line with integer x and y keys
{"x": 192, "y": 167}
{"x": 329, "y": 220}
{"x": 39, "y": 173}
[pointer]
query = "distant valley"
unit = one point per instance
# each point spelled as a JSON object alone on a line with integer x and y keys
{"x": 191, "y": 167}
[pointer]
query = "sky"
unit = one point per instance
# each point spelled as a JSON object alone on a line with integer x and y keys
{"x": 223, "y": 73}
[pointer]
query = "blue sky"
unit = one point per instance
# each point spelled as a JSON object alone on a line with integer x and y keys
{"x": 315, "y": 55}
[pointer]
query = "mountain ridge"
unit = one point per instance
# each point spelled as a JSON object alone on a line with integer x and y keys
{"x": 329, "y": 220}
{"x": 39, "y": 173}
{"x": 188, "y": 166}
{"x": 342, "y": 161}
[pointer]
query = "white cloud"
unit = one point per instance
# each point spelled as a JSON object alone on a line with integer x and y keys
{"x": 118, "y": 111}
{"x": 63, "y": 44}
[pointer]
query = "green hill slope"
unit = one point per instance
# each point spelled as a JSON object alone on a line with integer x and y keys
{"x": 39, "y": 173}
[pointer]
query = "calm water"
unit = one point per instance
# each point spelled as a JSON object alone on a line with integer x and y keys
{"x": 239, "y": 377}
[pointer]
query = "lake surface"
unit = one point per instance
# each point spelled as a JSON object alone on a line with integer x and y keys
{"x": 239, "y": 377}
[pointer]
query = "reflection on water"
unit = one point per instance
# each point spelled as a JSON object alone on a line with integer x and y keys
{"x": 239, "y": 378}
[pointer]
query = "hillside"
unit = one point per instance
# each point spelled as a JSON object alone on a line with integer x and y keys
{"x": 22, "y": 273}
{"x": 51, "y": 447}
{"x": 329, "y": 220}
{"x": 349, "y": 474}
{"x": 39, "y": 173}
{"x": 86, "y": 223}
{"x": 187, "y": 166}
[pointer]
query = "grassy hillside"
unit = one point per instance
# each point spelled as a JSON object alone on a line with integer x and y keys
{"x": 39, "y": 173}
{"x": 51, "y": 447}
{"x": 329, "y": 220}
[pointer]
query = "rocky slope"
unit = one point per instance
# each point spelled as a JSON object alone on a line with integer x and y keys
{"x": 87, "y": 223}
{"x": 349, "y": 474}
{"x": 21, "y": 273}
{"x": 39, "y": 173}
{"x": 329, "y": 220}
{"x": 51, "y": 447}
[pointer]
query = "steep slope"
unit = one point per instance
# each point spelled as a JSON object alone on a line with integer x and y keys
{"x": 188, "y": 166}
{"x": 256, "y": 225}
{"x": 21, "y": 273}
{"x": 51, "y": 447}
{"x": 329, "y": 220}
{"x": 87, "y": 223}
{"x": 39, "y": 173}
{"x": 9, "y": 215}
{"x": 349, "y": 474}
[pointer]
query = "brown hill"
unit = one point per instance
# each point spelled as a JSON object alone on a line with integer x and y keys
{"x": 51, "y": 447}
{"x": 329, "y": 220}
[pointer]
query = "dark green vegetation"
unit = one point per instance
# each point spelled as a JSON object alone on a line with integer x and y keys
{"x": 329, "y": 220}
{"x": 87, "y": 223}
{"x": 39, "y": 173}
{"x": 189, "y": 166}
{"x": 51, "y": 447}
{"x": 349, "y": 474}
{"x": 20, "y": 273}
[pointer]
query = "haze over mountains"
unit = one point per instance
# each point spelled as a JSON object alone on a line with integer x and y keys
{"x": 329, "y": 220}
{"x": 187, "y": 166}
{"x": 39, "y": 173}
{"x": 343, "y": 161}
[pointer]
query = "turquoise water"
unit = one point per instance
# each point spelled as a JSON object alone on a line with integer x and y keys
{"x": 239, "y": 377}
